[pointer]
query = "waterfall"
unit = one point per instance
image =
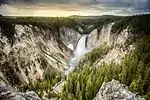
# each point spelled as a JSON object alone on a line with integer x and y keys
{"x": 80, "y": 50}
{"x": 81, "y": 46}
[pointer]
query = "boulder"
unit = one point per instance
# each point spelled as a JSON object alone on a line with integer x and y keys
{"x": 8, "y": 93}
{"x": 115, "y": 91}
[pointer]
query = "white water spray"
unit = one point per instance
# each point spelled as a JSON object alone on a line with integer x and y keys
{"x": 81, "y": 47}
{"x": 79, "y": 51}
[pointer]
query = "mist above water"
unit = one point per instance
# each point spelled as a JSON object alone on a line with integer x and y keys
{"x": 80, "y": 50}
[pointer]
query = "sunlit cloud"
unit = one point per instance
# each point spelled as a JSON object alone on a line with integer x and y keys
{"x": 55, "y": 10}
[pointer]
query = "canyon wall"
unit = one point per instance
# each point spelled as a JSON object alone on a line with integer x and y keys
{"x": 28, "y": 51}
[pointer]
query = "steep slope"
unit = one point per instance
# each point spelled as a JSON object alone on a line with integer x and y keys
{"x": 119, "y": 44}
{"x": 8, "y": 93}
{"x": 31, "y": 48}
{"x": 71, "y": 39}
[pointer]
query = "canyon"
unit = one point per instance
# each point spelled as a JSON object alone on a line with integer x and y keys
{"x": 30, "y": 53}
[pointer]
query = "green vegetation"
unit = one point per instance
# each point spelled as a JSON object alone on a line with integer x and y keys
{"x": 53, "y": 24}
{"x": 84, "y": 83}
{"x": 88, "y": 23}
{"x": 94, "y": 55}
{"x": 46, "y": 22}
{"x": 44, "y": 87}
{"x": 137, "y": 24}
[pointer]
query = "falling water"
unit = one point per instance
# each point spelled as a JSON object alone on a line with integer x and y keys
{"x": 79, "y": 51}
{"x": 81, "y": 46}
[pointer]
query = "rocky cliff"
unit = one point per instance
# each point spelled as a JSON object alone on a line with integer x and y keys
{"x": 119, "y": 44}
{"x": 32, "y": 50}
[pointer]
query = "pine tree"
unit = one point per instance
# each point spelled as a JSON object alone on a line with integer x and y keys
{"x": 89, "y": 90}
{"x": 146, "y": 80}
{"x": 70, "y": 96}
{"x": 80, "y": 96}
{"x": 134, "y": 86}
{"x": 140, "y": 69}
{"x": 123, "y": 76}
{"x": 77, "y": 89}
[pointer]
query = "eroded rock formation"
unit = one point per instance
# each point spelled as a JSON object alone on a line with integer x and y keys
{"x": 115, "y": 91}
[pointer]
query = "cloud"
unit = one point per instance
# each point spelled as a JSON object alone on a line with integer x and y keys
{"x": 67, "y": 10}
{"x": 73, "y": 7}
{"x": 3, "y": 1}
{"x": 134, "y": 3}
{"x": 129, "y": 3}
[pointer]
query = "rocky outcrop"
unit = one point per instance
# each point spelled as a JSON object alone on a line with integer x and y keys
{"x": 119, "y": 44}
{"x": 8, "y": 93}
{"x": 115, "y": 91}
{"x": 71, "y": 38}
{"x": 26, "y": 53}
{"x": 97, "y": 38}
{"x": 59, "y": 87}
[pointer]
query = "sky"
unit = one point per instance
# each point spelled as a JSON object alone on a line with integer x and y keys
{"x": 54, "y": 8}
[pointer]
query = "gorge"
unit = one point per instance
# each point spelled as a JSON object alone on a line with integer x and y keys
{"x": 73, "y": 58}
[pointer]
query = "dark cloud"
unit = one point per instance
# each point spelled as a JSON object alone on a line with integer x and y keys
{"x": 50, "y": 1}
{"x": 139, "y": 4}
{"x": 134, "y": 3}
{"x": 148, "y": 4}
{"x": 3, "y": 1}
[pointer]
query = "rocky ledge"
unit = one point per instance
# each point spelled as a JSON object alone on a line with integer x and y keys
{"x": 8, "y": 93}
{"x": 115, "y": 91}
